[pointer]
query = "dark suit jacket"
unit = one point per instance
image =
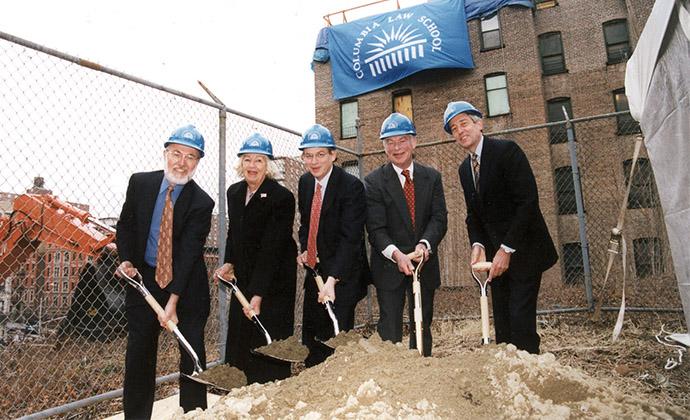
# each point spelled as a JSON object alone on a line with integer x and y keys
{"x": 388, "y": 222}
{"x": 340, "y": 240}
{"x": 260, "y": 243}
{"x": 506, "y": 210}
{"x": 191, "y": 225}
{"x": 264, "y": 254}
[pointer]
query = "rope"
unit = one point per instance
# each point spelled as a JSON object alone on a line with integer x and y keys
{"x": 666, "y": 340}
{"x": 617, "y": 240}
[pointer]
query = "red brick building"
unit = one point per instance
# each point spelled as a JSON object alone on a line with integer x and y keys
{"x": 529, "y": 63}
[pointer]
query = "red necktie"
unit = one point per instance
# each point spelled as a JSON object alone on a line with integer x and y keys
{"x": 164, "y": 257}
{"x": 409, "y": 194}
{"x": 314, "y": 226}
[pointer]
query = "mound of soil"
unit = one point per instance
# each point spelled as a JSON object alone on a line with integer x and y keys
{"x": 370, "y": 378}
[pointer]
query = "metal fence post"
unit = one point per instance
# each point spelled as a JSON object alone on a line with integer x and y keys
{"x": 360, "y": 169}
{"x": 222, "y": 228}
{"x": 584, "y": 244}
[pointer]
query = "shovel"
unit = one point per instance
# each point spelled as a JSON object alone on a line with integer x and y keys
{"x": 237, "y": 380}
{"x": 483, "y": 300}
{"x": 417, "y": 292}
{"x": 281, "y": 350}
{"x": 329, "y": 304}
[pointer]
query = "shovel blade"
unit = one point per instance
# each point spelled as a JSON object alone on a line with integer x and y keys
{"x": 223, "y": 377}
{"x": 288, "y": 350}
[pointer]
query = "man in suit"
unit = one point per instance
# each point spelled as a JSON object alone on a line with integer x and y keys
{"x": 159, "y": 205}
{"x": 406, "y": 212}
{"x": 504, "y": 222}
{"x": 332, "y": 210}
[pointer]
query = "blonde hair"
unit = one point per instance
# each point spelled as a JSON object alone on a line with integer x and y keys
{"x": 271, "y": 168}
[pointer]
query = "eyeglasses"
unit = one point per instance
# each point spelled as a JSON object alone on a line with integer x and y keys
{"x": 396, "y": 143}
{"x": 177, "y": 155}
{"x": 318, "y": 156}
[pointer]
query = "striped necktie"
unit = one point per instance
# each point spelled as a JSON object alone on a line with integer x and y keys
{"x": 475, "y": 171}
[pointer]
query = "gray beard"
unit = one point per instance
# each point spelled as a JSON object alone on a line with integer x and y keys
{"x": 176, "y": 180}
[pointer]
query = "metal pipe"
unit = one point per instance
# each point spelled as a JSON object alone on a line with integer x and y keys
{"x": 222, "y": 232}
{"x": 638, "y": 309}
{"x": 561, "y": 311}
{"x": 581, "y": 222}
{"x": 97, "y": 67}
{"x": 222, "y": 228}
{"x": 75, "y": 405}
{"x": 360, "y": 174}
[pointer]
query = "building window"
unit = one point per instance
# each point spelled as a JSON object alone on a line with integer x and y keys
{"x": 565, "y": 190}
{"x": 642, "y": 192}
{"x": 544, "y": 4}
{"x": 490, "y": 32}
{"x": 617, "y": 41}
{"x": 573, "y": 266}
{"x": 554, "y": 107}
{"x": 351, "y": 167}
{"x": 497, "y": 94}
{"x": 551, "y": 51}
{"x": 625, "y": 123}
{"x": 56, "y": 272}
{"x": 648, "y": 256}
{"x": 348, "y": 119}
{"x": 402, "y": 103}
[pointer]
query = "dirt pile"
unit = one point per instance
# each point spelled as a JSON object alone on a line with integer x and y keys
{"x": 374, "y": 379}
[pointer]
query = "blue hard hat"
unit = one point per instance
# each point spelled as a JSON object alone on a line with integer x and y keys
{"x": 397, "y": 124}
{"x": 317, "y": 136}
{"x": 256, "y": 143}
{"x": 457, "y": 108}
{"x": 187, "y": 136}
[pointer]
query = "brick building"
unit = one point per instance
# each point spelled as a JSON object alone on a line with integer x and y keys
{"x": 528, "y": 64}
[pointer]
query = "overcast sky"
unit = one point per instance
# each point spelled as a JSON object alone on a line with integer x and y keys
{"x": 254, "y": 54}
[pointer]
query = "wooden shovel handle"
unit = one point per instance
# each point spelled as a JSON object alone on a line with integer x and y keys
{"x": 482, "y": 266}
{"x": 170, "y": 325}
{"x": 485, "y": 319}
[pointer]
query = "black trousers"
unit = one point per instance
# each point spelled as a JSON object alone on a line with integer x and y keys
{"x": 515, "y": 311}
{"x": 391, "y": 304}
{"x": 142, "y": 348}
{"x": 316, "y": 324}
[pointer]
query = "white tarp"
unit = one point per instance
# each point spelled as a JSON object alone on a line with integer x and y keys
{"x": 657, "y": 83}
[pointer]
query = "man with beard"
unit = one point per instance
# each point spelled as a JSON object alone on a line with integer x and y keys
{"x": 161, "y": 233}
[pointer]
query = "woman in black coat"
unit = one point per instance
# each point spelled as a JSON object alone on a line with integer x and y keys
{"x": 260, "y": 253}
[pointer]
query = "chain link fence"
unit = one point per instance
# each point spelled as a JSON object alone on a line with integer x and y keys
{"x": 76, "y": 131}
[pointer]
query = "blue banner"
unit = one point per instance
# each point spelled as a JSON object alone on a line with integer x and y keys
{"x": 481, "y": 8}
{"x": 373, "y": 52}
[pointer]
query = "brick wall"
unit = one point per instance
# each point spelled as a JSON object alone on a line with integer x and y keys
{"x": 588, "y": 82}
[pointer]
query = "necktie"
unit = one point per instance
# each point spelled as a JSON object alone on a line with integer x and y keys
{"x": 475, "y": 170}
{"x": 314, "y": 226}
{"x": 408, "y": 189}
{"x": 164, "y": 256}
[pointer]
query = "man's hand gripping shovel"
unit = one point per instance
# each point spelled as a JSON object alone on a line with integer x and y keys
{"x": 477, "y": 268}
{"x": 271, "y": 348}
{"x": 329, "y": 304}
{"x": 232, "y": 379}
